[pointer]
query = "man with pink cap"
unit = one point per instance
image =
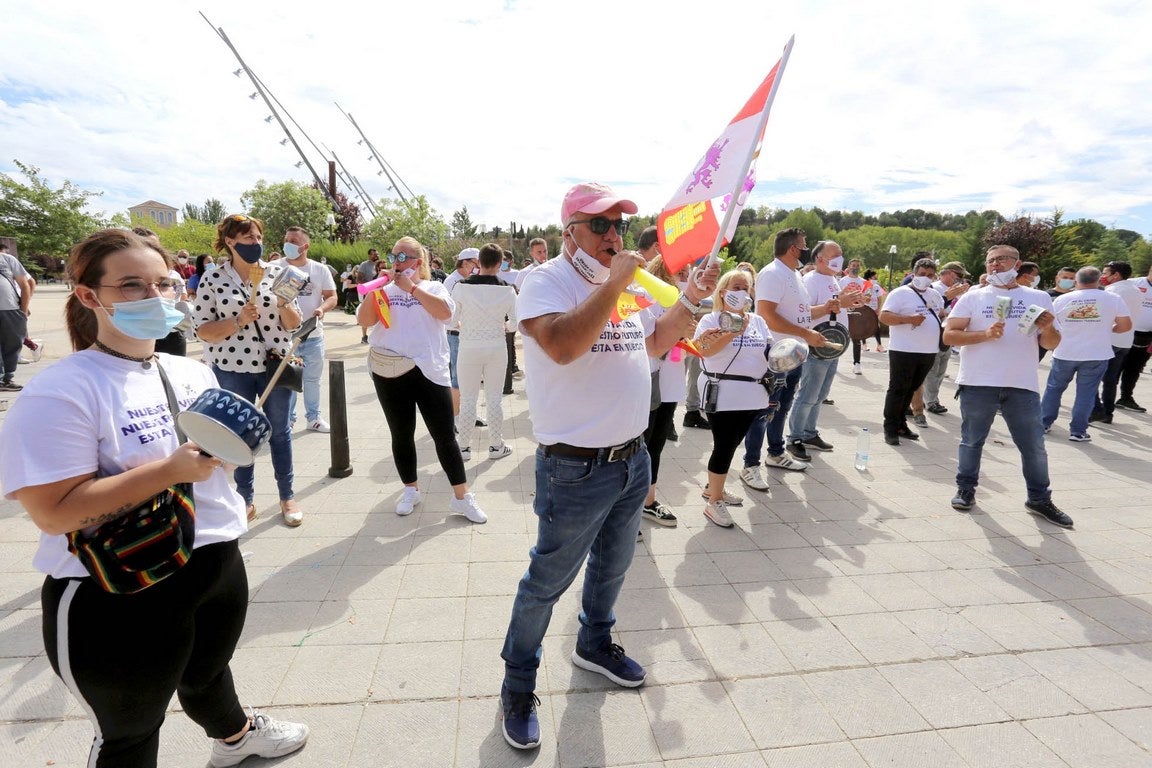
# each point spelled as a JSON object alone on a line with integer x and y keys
{"x": 589, "y": 387}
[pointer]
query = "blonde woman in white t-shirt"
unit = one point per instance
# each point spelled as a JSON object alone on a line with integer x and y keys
{"x": 419, "y": 311}
{"x": 734, "y": 367}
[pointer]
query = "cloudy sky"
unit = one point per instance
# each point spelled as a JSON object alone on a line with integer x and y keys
{"x": 1022, "y": 107}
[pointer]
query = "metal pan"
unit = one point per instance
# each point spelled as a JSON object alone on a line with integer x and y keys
{"x": 862, "y": 323}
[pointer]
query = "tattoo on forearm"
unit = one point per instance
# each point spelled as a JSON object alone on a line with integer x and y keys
{"x": 101, "y": 519}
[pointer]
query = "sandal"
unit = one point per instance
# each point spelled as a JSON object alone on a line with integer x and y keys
{"x": 291, "y": 513}
{"x": 251, "y": 512}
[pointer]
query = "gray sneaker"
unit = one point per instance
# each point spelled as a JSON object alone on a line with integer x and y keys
{"x": 784, "y": 461}
{"x": 266, "y": 738}
{"x": 920, "y": 420}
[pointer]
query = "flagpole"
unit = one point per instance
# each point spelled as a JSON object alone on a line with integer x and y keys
{"x": 743, "y": 176}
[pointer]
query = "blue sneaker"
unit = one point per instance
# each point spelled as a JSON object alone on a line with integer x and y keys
{"x": 611, "y": 662}
{"x": 521, "y": 726}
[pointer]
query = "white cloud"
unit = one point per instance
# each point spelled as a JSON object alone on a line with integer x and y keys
{"x": 500, "y": 106}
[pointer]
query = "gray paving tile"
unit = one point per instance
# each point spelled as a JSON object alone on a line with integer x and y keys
{"x": 694, "y": 720}
{"x": 782, "y": 711}
{"x": 1086, "y": 741}
{"x": 874, "y": 707}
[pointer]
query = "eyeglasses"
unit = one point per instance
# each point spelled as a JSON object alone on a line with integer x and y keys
{"x": 600, "y": 225}
{"x": 1000, "y": 260}
{"x": 402, "y": 257}
{"x": 135, "y": 290}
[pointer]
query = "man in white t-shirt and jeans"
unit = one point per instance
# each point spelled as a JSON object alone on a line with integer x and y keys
{"x": 1088, "y": 318}
{"x": 816, "y": 380}
{"x": 589, "y": 388}
{"x": 999, "y": 371}
{"x": 316, "y": 298}
{"x": 782, "y": 300}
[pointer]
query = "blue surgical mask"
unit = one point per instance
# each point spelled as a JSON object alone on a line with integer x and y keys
{"x": 291, "y": 251}
{"x": 250, "y": 252}
{"x": 151, "y": 318}
{"x": 504, "y": 267}
{"x": 1066, "y": 284}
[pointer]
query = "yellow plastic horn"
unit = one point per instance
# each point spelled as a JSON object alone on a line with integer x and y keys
{"x": 664, "y": 293}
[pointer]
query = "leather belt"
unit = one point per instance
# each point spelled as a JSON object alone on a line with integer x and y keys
{"x": 453, "y": 333}
{"x": 614, "y": 453}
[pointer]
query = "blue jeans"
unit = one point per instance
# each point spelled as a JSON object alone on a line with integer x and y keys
{"x": 312, "y": 352}
{"x": 1021, "y": 411}
{"x": 250, "y": 386}
{"x": 771, "y": 422}
{"x": 815, "y": 385}
{"x": 585, "y": 508}
{"x": 453, "y": 353}
{"x": 1088, "y": 375}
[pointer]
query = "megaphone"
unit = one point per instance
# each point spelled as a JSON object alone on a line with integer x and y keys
{"x": 666, "y": 295}
{"x": 366, "y": 288}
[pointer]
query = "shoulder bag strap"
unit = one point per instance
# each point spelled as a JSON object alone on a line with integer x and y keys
{"x": 173, "y": 406}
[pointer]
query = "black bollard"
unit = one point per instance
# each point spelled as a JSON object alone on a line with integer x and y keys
{"x": 338, "y": 412}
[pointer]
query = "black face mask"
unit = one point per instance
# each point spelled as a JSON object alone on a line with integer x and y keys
{"x": 805, "y": 256}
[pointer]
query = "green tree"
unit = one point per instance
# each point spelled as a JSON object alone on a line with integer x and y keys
{"x": 1109, "y": 248}
{"x": 212, "y": 212}
{"x": 1140, "y": 257}
{"x": 44, "y": 220}
{"x": 462, "y": 225}
{"x": 286, "y": 204}
{"x": 417, "y": 219}
{"x": 192, "y": 235}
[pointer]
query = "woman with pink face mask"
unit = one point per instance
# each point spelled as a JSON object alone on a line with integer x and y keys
{"x": 405, "y": 322}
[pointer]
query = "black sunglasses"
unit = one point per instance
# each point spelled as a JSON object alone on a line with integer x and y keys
{"x": 600, "y": 225}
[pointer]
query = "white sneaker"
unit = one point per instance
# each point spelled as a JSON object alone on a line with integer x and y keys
{"x": 408, "y": 500}
{"x": 466, "y": 454}
{"x": 717, "y": 512}
{"x": 319, "y": 425}
{"x": 39, "y": 351}
{"x": 784, "y": 461}
{"x": 499, "y": 453}
{"x": 467, "y": 506}
{"x": 267, "y": 738}
{"x": 753, "y": 478}
{"x": 730, "y": 499}
{"x": 857, "y": 369}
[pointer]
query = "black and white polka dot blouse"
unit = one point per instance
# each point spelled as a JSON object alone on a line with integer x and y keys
{"x": 220, "y": 296}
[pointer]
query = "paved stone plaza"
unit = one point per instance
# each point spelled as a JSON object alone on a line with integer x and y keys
{"x": 850, "y": 620}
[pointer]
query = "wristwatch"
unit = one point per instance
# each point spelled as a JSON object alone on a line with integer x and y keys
{"x": 697, "y": 310}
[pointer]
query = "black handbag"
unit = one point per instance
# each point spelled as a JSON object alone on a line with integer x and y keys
{"x": 292, "y": 376}
{"x": 147, "y": 544}
{"x": 940, "y": 343}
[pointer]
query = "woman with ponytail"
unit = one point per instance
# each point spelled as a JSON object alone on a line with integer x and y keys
{"x": 88, "y": 442}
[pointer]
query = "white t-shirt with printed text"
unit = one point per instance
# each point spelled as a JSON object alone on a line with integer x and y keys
{"x": 1013, "y": 360}
{"x": 1142, "y": 321}
{"x": 601, "y": 398}
{"x": 94, "y": 413}
{"x": 414, "y": 332}
{"x": 743, "y": 356}
{"x": 780, "y": 284}
{"x": 1086, "y": 318}
{"x": 922, "y": 339}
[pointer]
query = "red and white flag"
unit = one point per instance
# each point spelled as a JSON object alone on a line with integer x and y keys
{"x": 714, "y": 193}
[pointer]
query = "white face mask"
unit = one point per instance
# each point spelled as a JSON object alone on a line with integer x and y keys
{"x": 836, "y": 264}
{"x": 588, "y": 268}
{"x": 1001, "y": 279}
{"x": 921, "y": 283}
{"x": 736, "y": 299}
{"x": 682, "y": 284}
{"x": 409, "y": 273}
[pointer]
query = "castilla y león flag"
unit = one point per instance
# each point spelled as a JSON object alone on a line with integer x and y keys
{"x": 712, "y": 196}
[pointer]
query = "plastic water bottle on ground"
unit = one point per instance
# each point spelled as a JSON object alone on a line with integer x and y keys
{"x": 862, "y": 450}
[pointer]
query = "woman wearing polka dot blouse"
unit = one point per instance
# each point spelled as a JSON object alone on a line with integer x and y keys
{"x": 241, "y": 323}
{"x": 420, "y": 310}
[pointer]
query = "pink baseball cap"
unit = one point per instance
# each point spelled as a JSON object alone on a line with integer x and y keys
{"x": 591, "y": 197}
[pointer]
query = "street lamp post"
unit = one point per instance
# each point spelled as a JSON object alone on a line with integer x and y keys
{"x": 891, "y": 257}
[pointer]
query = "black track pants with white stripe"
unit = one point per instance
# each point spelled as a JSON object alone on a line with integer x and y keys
{"x": 123, "y": 656}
